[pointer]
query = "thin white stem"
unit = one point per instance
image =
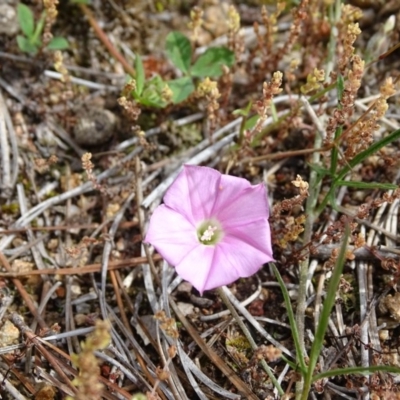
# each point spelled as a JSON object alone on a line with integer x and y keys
{"x": 5, "y": 182}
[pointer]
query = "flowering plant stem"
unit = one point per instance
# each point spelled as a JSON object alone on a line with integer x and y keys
{"x": 250, "y": 339}
{"x": 322, "y": 326}
{"x": 314, "y": 188}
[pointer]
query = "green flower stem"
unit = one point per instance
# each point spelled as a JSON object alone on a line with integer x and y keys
{"x": 322, "y": 326}
{"x": 314, "y": 188}
{"x": 247, "y": 333}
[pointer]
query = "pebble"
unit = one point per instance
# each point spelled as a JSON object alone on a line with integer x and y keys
{"x": 9, "y": 334}
{"x": 94, "y": 127}
{"x": 8, "y": 20}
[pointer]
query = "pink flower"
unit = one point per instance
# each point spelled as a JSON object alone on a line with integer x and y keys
{"x": 213, "y": 228}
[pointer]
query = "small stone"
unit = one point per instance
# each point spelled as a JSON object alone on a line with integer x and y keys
{"x": 8, "y": 20}
{"x": 185, "y": 308}
{"x": 80, "y": 319}
{"x": 9, "y": 334}
{"x": 94, "y": 127}
{"x": 112, "y": 210}
{"x": 76, "y": 290}
{"x": 184, "y": 287}
{"x": 383, "y": 335}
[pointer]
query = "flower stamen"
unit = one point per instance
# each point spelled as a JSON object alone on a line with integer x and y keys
{"x": 208, "y": 233}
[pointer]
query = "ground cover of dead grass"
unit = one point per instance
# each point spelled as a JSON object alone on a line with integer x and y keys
{"x": 81, "y": 171}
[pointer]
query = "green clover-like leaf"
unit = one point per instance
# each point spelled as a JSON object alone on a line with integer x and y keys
{"x": 210, "y": 62}
{"x": 179, "y": 50}
{"x": 26, "y": 20}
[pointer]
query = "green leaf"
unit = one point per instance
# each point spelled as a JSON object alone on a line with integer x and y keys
{"x": 335, "y": 151}
{"x": 58, "y": 43}
{"x": 244, "y": 112}
{"x": 340, "y": 86}
{"x": 25, "y": 45}
{"x": 356, "y": 370}
{"x": 366, "y": 185}
{"x": 152, "y": 99}
{"x": 26, "y": 20}
{"x": 210, "y": 62}
{"x": 358, "y": 159}
{"x": 292, "y": 364}
{"x": 35, "y": 39}
{"x": 152, "y": 93}
{"x": 326, "y": 311}
{"x": 179, "y": 50}
{"x": 240, "y": 111}
{"x": 251, "y": 122}
{"x": 318, "y": 169}
{"x": 140, "y": 76}
{"x": 368, "y": 152}
{"x": 181, "y": 88}
{"x": 292, "y": 320}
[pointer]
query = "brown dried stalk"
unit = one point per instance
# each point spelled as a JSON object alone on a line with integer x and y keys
{"x": 241, "y": 386}
{"x": 106, "y": 41}
{"x": 17, "y": 320}
{"x": 24, "y": 294}
{"x": 87, "y": 269}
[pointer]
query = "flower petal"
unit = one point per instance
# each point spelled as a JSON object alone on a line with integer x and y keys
{"x": 231, "y": 187}
{"x": 248, "y": 206}
{"x": 201, "y": 194}
{"x": 196, "y": 266}
{"x": 256, "y": 234}
{"x": 193, "y": 193}
{"x": 209, "y": 267}
{"x": 234, "y": 259}
{"x": 171, "y": 234}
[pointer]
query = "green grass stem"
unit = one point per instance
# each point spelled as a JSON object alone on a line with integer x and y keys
{"x": 292, "y": 321}
{"x": 325, "y": 314}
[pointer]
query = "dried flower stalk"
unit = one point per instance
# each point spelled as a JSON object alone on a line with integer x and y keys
{"x": 87, "y": 381}
{"x": 270, "y": 89}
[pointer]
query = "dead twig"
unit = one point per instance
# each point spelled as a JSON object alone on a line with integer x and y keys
{"x": 7, "y": 137}
{"x": 106, "y": 41}
{"x": 24, "y": 294}
{"x": 87, "y": 269}
{"x": 17, "y": 320}
{"x": 242, "y": 387}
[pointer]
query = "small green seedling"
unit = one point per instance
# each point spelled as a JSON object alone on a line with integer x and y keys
{"x": 31, "y": 41}
{"x": 158, "y": 93}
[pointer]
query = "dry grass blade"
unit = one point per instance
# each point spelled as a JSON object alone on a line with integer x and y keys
{"x": 9, "y": 152}
{"x": 26, "y": 297}
{"x": 296, "y": 84}
{"x": 87, "y": 269}
{"x": 31, "y": 337}
{"x": 218, "y": 361}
